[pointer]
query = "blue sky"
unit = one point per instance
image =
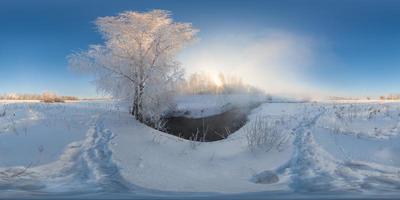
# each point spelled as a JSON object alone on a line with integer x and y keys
{"x": 332, "y": 47}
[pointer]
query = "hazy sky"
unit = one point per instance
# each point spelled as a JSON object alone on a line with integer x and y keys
{"x": 296, "y": 46}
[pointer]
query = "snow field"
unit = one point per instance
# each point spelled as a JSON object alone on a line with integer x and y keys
{"x": 96, "y": 147}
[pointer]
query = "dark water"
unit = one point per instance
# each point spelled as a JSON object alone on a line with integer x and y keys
{"x": 212, "y": 128}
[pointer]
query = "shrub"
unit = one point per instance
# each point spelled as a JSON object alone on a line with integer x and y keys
{"x": 266, "y": 134}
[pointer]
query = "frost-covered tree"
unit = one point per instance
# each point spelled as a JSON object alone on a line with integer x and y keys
{"x": 137, "y": 60}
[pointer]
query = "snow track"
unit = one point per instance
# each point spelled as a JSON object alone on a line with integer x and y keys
{"x": 85, "y": 167}
{"x": 96, "y": 155}
{"x": 312, "y": 169}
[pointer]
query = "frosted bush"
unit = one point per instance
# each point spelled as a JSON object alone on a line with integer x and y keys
{"x": 266, "y": 133}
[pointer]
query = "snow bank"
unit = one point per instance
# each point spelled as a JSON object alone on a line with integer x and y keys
{"x": 111, "y": 152}
{"x": 156, "y": 160}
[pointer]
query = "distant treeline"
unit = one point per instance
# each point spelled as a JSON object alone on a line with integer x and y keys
{"x": 205, "y": 83}
{"x": 383, "y": 97}
{"x": 390, "y": 97}
{"x": 344, "y": 98}
{"x": 48, "y": 97}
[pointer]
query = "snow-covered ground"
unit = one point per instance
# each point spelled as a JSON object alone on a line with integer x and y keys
{"x": 88, "y": 149}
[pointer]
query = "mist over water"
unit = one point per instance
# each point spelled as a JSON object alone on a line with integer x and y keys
{"x": 275, "y": 61}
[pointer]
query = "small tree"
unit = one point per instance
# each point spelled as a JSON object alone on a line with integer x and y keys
{"x": 137, "y": 61}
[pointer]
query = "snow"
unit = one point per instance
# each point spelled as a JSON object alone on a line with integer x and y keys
{"x": 31, "y": 127}
{"x": 198, "y": 106}
{"x": 94, "y": 148}
{"x": 165, "y": 162}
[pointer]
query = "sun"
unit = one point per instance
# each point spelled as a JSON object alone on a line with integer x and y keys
{"x": 217, "y": 80}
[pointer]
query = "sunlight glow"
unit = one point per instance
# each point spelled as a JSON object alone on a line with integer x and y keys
{"x": 217, "y": 80}
{"x": 277, "y": 62}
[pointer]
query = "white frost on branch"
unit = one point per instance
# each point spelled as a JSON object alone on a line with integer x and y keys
{"x": 137, "y": 60}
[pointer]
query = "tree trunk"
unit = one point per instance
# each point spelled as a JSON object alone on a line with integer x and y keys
{"x": 135, "y": 104}
{"x": 140, "y": 91}
{"x": 140, "y": 102}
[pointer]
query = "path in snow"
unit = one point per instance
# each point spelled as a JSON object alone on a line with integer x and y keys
{"x": 85, "y": 167}
{"x": 312, "y": 169}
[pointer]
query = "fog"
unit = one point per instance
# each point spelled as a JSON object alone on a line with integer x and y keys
{"x": 275, "y": 61}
